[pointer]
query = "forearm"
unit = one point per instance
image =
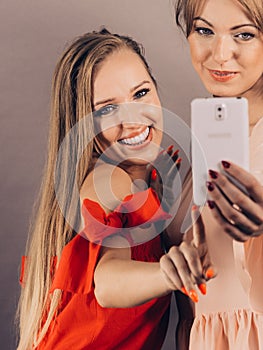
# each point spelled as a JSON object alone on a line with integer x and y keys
{"x": 127, "y": 283}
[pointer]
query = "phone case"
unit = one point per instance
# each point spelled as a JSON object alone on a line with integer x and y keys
{"x": 220, "y": 131}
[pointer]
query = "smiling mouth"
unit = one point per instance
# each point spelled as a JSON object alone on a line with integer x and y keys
{"x": 222, "y": 75}
{"x": 136, "y": 140}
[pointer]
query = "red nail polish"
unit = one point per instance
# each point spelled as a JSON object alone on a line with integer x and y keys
{"x": 211, "y": 204}
{"x": 202, "y": 288}
{"x": 154, "y": 175}
{"x": 183, "y": 289}
{"x": 225, "y": 164}
{"x": 176, "y": 152}
{"x": 210, "y": 186}
{"x": 213, "y": 174}
{"x": 193, "y": 295}
{"x": 170, "y": 148}
{"x": 179, "y": 160}
{"x": 194, "y": 207}
{"x": 210, "y": 273}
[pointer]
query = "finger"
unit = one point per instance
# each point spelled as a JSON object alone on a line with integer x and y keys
{"x": 171, "y": 172}
{"x": 192, "y": 258}
{"x": 164, "y": 161}
{"x": 241, "y": 201}
{"x": 183, "y": 271}
{"x": 198, "y": 227}
{"x": 170, "y": 150}
{"x": 228, "y": 228}
{"x": 252, "y": 185}
{"x": 229, "y": 212}
{"x": 170, "y": 273}
{"x": 175, "y": 155}
{"x": 199, "y": 240}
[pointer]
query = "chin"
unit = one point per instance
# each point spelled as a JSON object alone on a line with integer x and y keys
{"x": 222, "y": 91}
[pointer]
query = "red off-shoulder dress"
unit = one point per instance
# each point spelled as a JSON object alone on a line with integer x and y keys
{"x": 81, "y": 323}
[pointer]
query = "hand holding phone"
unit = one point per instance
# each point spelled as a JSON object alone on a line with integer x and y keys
{"x": 220, "y": 131}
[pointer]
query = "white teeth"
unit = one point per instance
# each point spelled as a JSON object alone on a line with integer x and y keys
{"x": 221, "y": 74}
{"x": 137, "y": 140}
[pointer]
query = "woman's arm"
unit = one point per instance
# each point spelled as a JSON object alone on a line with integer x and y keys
{"x": 122, "y": 282}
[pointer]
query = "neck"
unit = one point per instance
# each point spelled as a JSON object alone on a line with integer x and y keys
{"x": 135, "y": 171}
{"x": 255, "y": 110}
{"x": 255, "y": 102}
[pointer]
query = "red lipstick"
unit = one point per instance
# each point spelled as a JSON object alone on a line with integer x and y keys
{"x": 222, "y": 76}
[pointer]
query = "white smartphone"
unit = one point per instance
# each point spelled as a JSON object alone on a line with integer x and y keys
{"x": 220, "y": 131}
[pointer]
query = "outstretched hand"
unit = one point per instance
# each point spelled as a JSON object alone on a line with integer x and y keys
{"x": 189, "y": 265}
{"x": 239, "y": 214}
{"x": 162, "y": 176}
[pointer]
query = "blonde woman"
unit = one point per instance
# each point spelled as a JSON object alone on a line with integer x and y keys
{"x": 226, "y": 46}
{"x": 109, "y": 286}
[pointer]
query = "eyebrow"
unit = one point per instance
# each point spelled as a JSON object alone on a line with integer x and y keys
{"x": 232, "y": 28}
{"x": 111, "y": 99}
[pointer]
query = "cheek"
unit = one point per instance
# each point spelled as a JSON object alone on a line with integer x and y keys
{"x": 107, "y": 137}
{"x": 197, "y": 53}
{"x": 200, "y": 48}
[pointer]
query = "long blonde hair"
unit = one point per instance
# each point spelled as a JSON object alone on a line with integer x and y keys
{"x": 50, "y": 232}
{"x": 186, "y": 10}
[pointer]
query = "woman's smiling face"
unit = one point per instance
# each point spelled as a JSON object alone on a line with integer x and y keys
{"x": 127, "y": 113}
{"x": 227, "y": 49}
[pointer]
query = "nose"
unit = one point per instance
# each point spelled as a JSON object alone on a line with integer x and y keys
{"x": 223, "y": 49}
{"x": 130, "y": 115}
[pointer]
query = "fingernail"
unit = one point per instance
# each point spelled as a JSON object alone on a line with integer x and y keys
{"x": 154, "y": 175}
{"x": 176, "y": 152}
{"x": 202, "y": 288}
{"x": 179, "y": 160}
{"x": 209, "y": 273}
{"x": 210, "y": 186}
{"x": 183, "y": 289}
{"x": 194, "y": 207}
{"x": 225, "y": 164}
{"x": 193, "y": 295}
{"x": 170, "y": 148}
{"x": 211, "y": 204}
{"x": 213, "y": 174}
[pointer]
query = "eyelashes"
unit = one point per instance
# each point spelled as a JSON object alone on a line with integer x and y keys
{"x": 203, "y": 31}
{"x": 245, "y": 36}
{"x": 141, "y": 93}
{"x": 241, "y": 36}
{"x": 111, "y": 108}
{"x": 105, "y": 110}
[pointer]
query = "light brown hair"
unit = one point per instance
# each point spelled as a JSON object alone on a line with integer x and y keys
{"x": 71, "y": 101}
{"x": 187, "y": 10}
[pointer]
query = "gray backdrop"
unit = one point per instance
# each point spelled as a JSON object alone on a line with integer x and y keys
{"x": 33, "y": 34}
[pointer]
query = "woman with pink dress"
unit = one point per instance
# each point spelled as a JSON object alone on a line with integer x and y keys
{"x": 226, "y": 46}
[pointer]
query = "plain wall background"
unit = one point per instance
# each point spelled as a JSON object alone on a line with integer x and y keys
{"x": 33, "y": 34}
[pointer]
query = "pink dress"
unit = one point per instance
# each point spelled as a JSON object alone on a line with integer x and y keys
{"x": 230, "y": 316}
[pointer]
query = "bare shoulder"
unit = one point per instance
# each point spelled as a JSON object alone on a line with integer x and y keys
{"x": 106, "y": 184}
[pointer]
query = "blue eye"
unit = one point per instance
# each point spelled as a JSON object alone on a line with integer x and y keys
{"x": 105, "y": 111}
{"x": 203, "y": 31}
{"x": 141, "y": 93}
{"x": 244, "y": 36}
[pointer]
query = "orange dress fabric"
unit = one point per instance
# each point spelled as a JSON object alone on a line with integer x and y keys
{"x": 81, "y": 323}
